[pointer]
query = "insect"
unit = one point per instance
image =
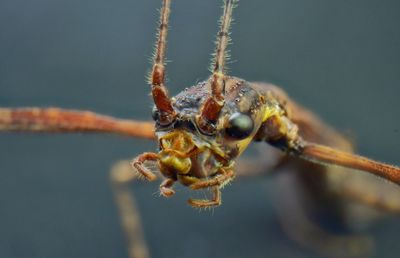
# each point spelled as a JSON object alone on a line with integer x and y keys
{"x": 203, "y": 202}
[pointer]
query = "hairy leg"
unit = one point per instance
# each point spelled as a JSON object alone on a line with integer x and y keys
{"x": 215, "y": 201}
{"x": 166, "y": 188}
{"x": 57, "y": 120}
{"x": 138, "y": 163}
{"x": 218, "y": 180}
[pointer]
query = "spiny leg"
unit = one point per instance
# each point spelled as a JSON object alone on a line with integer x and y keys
{"x": 157, "y": 80}
{"x": 300, "y": 227}
{"x": 213, "y": 105}
{"x": 120, "y": 176}
{"x": 57, "y": 120}
{"x": 327, "y": 155}
{"x": 215, "y": 201}
{"x": 166, "y": 188}
{"x": 288, "y": 139}
{"x": 138, "y": 163}
{"x": 312, "y": 129}
{"x": 218, "y": 180}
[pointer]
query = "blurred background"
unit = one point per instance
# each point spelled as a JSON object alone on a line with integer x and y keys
{"x": 339, "y": 58}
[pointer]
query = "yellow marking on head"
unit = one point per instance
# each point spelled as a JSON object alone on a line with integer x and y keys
{"x": 271, "y": 110}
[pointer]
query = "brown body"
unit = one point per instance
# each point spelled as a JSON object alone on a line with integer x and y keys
{"x": 305, "y": 189}
{"x": 203, "y": 130}
{"x": 342, "y": 182}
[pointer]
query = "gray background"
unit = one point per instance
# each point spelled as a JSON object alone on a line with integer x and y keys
{"x": 340, "y": 58}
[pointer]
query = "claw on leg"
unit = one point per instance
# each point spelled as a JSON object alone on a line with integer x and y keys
{"x": 166, "y": 188}
{"x": 215, "y": 201}
{"x": 138, "y": 163}
{"x": 218, "y": 180}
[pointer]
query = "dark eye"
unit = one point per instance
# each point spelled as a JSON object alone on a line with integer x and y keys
{"x": 155, "y": 114}
{"x": 239, "y": 126}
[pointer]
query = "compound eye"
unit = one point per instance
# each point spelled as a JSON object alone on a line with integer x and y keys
{"x": 155, "y": 114}
{"x": 239, "y": 126}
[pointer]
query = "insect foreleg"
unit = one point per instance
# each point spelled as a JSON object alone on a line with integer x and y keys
{"x": 218, "y": 180}
{"x": 215, "y": 201}
{"x": 138, "y": 163}
{"x": 281, "y": 132}
{"x": 57, "y": 120}
{"x": 326, "y": 155}
{"x": 166, "y": 188}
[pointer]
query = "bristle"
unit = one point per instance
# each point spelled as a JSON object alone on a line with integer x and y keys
{"x": 223, "y": 38}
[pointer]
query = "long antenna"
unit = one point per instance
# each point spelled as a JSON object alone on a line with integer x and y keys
{"x": 213, "y": 105}
{"x": 159, "y": 90}
{"x": 223, "y": 37}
